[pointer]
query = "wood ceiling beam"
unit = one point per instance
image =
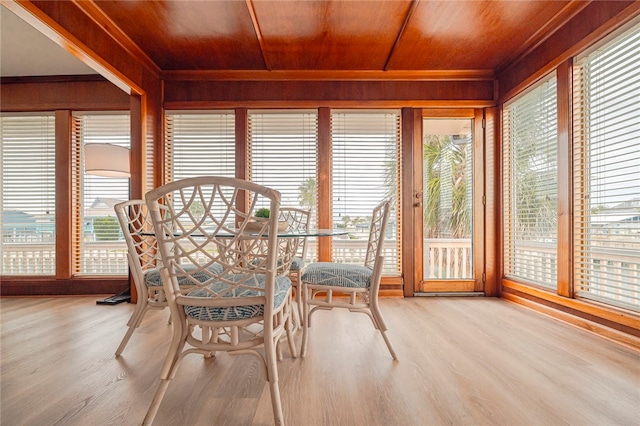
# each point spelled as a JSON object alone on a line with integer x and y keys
{"x": 256, "y": 28}
{"x": 330, "y": 75}
{"x": 44, "y": 23}
{"x": 412, "y": 8}
{"x": 93, "y": 11}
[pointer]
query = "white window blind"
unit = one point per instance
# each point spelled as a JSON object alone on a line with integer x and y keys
{"x": 283, "y": 155}
{"x": 150, "y": 165}
{"x": 365, "y": 170}
{"x": 530, "y": 185}
{"x": 607, "y": 173}
{"x": 28, "y": 194}
{"x": 199, "y": 143}
{"x": 99, "y": 247}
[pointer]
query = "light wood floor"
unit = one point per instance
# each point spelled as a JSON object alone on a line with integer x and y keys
{"x": 473, "y": 361}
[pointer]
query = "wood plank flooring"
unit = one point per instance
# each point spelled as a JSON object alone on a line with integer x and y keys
{"x": 462, "y": 361}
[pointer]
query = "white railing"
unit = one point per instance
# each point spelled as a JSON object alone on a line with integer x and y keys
{"x": 104, "y": 257}
{"x": 444, "y": 259}
{"x": 536, "y": 262}
{"x": 611, "y": 264}
{"x": 28, "y": 259}
{"x": 40, "y": 259}
{"x": 447, "y": 258}
{"x": 354, "y": 251}
{"x": 612, "y": 275}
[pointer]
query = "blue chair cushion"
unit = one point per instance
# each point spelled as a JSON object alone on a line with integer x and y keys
{"x": 337, "y": 275}
{"x": 231, "y": 313}
{"x": 297, "y": 264}
{"x": 153, "y": 279}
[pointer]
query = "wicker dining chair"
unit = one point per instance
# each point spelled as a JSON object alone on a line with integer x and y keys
{"x": 245, "y": 308}
{"x": 142, "y": 255}
{"x": 144, "y": 260}
{"x": 359, "y": 283}
{"x": 298, "y": 220}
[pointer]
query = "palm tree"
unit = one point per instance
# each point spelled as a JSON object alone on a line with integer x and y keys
{"x": 391, "y": 175}
{"x": 534, "y": 177}
{"x": 307, "y": 193}
{"x": 446, "y": 180}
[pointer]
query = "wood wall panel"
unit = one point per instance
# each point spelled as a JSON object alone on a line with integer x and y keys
{"x": 182, "y": 94}
{"x": 492, "y": 224}
{"x": 36, "y": 286}
{"x": 609, "y": 316}
{"x": 78, "y": 96}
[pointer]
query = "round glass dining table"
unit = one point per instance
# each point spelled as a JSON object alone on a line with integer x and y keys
{"x": 313, "y": 232}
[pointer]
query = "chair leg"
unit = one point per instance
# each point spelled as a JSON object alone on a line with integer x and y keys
{"x": 289, "y": 328}
{"x": 380, "y": 325}
{"x": 305, "y": 322}
{"x": 167, "y": 373}
{"x": 137, "y": 311}
{"x": 299, "y": 309}
{"x": 133, "y": 323}
{"x": 155, "y": 404}
{"x": 272, "y": 378}
{"x": 389, "y": 346}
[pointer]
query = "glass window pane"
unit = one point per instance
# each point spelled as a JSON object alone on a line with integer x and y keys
{"x": 99, "y": 244}
{"x": 365, "y": 171}
{"x": 28, "y": 194}
{"x": 199, "y": 143}
{"x": 607, "y": 173}
{"x": 530, "y": 186}
{"x": 448, "y": 199}
{"x": 283, "y": 151}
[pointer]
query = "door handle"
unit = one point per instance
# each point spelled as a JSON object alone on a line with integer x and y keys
{"x": 417, "y": 196}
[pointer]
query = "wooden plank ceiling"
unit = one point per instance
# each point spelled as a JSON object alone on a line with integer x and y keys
{"x": 484, "y": 37}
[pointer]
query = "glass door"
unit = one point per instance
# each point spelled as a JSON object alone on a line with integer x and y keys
{"x": 447, "y": 205}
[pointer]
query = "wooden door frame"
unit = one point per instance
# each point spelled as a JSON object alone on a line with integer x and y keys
{"x": 476, "y": 284}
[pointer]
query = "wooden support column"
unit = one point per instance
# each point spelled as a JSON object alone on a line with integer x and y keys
{"x": 565, "y": 174}
{"x": 64, "y": 264}
{"x": 138, "y": 137}
{"x": 492, "y": 203}
{"x": 324, "y": 207}
{"x": 411, "y": 196}
{"x": 242, "y": 151}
